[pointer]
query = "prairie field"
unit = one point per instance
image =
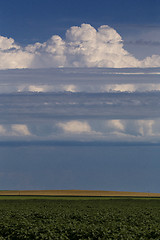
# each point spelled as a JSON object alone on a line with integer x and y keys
{"x": 75, "y": 218}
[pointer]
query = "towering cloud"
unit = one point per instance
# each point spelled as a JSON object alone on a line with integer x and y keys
{"x": 83, "y": 46}
{"x": 12, "y": 55}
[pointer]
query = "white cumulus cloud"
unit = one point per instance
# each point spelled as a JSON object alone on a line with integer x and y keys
{"x": 75, "y": 126}
{"x": 20, "y": 130}
{"x": 14, "y": 130}
{"x": 7, "y": 43}
{"x": 116, "y": 124}
{"x": 88, "y": 47}
{"x": 2, "y": 130}
{"x": 83, "y": 46}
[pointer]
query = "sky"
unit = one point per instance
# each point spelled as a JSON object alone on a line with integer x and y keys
{"x": 38, "y": 20}
{"x": 80, "y": 128}
{"x": 79, "y": 95}
{"x": 38, "y": 34}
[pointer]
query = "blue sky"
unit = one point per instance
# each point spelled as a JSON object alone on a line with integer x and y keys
{"x": 36, "y": 20}
{"x": 79, "y": 91}
{"x": 39, "y": 33}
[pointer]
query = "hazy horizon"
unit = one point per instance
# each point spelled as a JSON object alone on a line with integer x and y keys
{"x": 79, "y": 94}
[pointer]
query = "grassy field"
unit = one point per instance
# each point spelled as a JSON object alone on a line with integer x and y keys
{"x": 66, "y": 219}
{"x": 75, "y": 198}
{"x": 77, "y": 193}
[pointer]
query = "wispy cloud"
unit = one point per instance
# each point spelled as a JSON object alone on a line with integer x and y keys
{"x": 144, "y": 42}
{"x": 88, "y": 80}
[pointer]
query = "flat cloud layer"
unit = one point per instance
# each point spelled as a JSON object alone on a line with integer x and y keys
{"x": 84, "y": 131}
{"x": 79, "y": 106}
{"x": 83, "y": 46}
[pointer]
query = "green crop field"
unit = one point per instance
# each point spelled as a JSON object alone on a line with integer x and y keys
{"x": 79, "y": 218}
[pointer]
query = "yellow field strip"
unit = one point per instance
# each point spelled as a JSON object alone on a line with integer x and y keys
{"x": 76, "y": 193}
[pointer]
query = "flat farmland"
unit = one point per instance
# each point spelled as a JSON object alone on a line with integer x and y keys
{"x": 79, "y": 219}
{"x": 77, "y": 193}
